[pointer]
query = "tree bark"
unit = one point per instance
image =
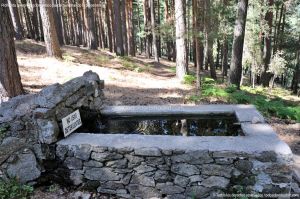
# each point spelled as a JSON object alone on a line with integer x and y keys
{"x": 198, "y": 43}
{"x": 50, "y": 34}
{"x": 209, "y": 60}
{"x": 108, "y": 24}
{"x": 90, "y": 25}
{"x": 10, "y": 80}
{"x": 266, "y": 76}
{"x": 153, "y": 26}
{"x": 16, "y": 19}
{"x": 30, "y": 32}
{"x": 118, "y": 29}
{"x": 147, "y": 28}
{"x": 181, "y": 58}
{"x": 130, "y": 27}
{"x": 225, "y": 57}
{"x": 235, "y": 73}
{"x": 124, "y": 26}
{"x": 168, "y": 21}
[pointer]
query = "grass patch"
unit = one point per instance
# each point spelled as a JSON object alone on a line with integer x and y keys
{"x": 269, "y": 103}
{"x": 68, "y": 57}
{"x": 129, "y": 64}
{"x": 173, "y": 69}
{"x": 13, "y": 189}
{"x": 189, "y": 79}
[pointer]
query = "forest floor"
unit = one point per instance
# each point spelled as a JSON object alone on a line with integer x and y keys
{"x": 128, "y": 81}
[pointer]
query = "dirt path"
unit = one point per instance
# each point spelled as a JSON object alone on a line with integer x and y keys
{"x": 157, "y": 85}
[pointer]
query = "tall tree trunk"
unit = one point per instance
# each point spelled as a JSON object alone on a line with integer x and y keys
{"x": 147, "y": 28}
{"x": 15, "y": 19}
{"x": 130, "y": 27}
{"x": 209, "y": 60}
{"x": 181, "y": 58}
{"x": 10, "y": 80}
{"x": 50, "y": 34}
{"x": 225, "y": 57}
{"x": 90, "y": 25}
{"x": 30, "y": 32}
{"x": 168, "y": 21}
{"x": 108, "y": 25}
{"x": 153, "y": 26}
{"x": 35, "y": 22}
{"x": 198, "y": 42}
{"x": 235, "y": 74}
{"x": 266, "y": 76}
{"x": 141, "y": 47}
{"x": 57, "y": 22}
{"x": 124, "y": 26}
{"x": 118, "y": 29}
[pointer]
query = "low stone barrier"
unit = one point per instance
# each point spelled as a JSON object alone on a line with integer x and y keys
{"x": 31, "y": 124}
{"x": 133, "y": 171}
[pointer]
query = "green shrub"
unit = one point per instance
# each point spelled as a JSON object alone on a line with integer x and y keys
{"x": 208, "y": 81}
{"x": 14, "y": 190}
{"x": 240, "y": 97}
{"x": 189, "y": 79}
{"x": 231, "y": 89}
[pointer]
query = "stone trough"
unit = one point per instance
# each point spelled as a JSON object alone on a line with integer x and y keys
{"x": 146, "y": 166}
{"x": 33, "y": 149}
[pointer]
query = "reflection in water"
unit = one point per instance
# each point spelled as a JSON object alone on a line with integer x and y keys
{"x": 216, "y": 125}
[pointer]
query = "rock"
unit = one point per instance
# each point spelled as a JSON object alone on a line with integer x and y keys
{"x": 215, "y": 182}
{"x": 76, "y": 176}
{"x": 295, "y": 187}
{"x": 267, "y": 156}
{"x": 170, "y": 189}
{"x": 81, "y": 195}
{"x": 185, "y": 169}
{"x": 147, "y": 152}
{"x": 83, "y": 152}
{"x": 49, "y": 131}
{"x": 61, "y": 151}
{"x": 162, "y": 176}
{"x": 216, "y": 170}
{"x": 224, "y": 161}
{"x": 133, "y": 160}
{"x": 195, "y": 157}
{"x": 197, "y": 192}
{"x": 120, "y": 164}
{"x": 196, "y": 178}
{"x": 93, "y": 163}
{"x": 143, "y": 192}
{"x": 143, "y": 180}
{"x": 105, "y": 156}
{"x": 144, "y": 169}
{"x": 106, "y": 191}
{"x": 90, "y": 76}
{"x": 112, "y": 185}
{"x": 155, "y": 161}
{"x": 244, "y": 166}
{"x": 101, "y": 174}
{"x": 181, "y": 181}
{"x": 25, "y": 169}
{"x": 73, "y": 163}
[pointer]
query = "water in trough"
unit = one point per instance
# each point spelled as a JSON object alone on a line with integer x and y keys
{"x": 201, "y": 125}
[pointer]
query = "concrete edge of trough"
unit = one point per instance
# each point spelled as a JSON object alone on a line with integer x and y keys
{"x": 259, "y": 136}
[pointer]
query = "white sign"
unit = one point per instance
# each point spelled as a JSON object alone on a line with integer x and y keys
{"x": 71, "y": 123}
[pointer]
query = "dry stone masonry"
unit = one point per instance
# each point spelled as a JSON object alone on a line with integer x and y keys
{"x": 31, "y": 124}
{"x": 33, "y": 149}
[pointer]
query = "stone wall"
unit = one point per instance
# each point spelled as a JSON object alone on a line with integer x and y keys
{"x": 153, "y": 172}
{"x": 31, "y": 124}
